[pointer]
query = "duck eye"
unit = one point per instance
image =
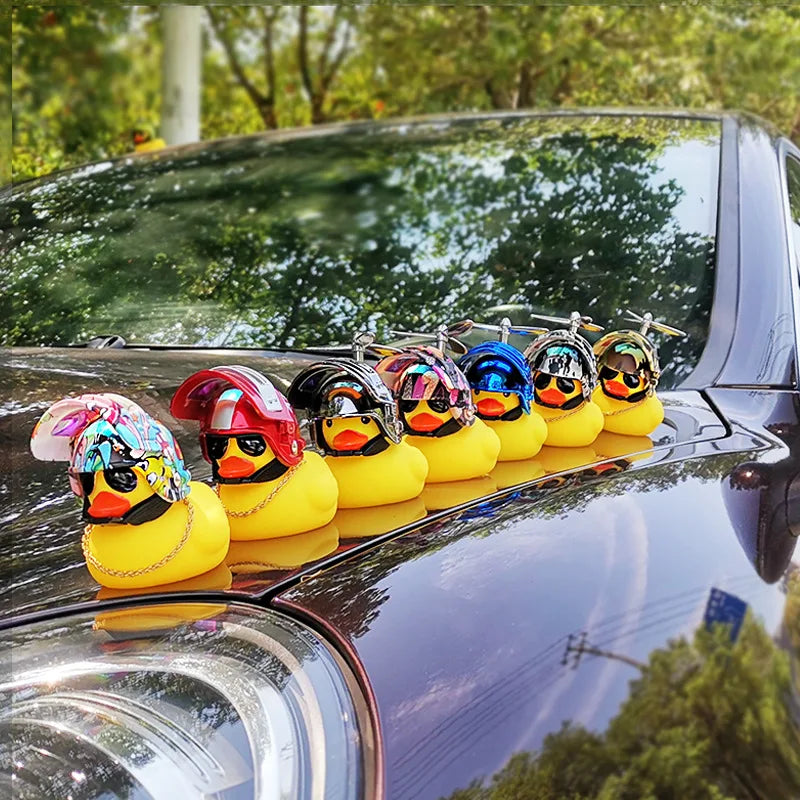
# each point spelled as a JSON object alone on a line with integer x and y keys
{"x": 476, "y": 391}
{"x": 216, "y": 446}
{"x": 329, "y": 423}
{"x": 608, "y": 374}
{"x": 506, "y": 394}
{"x": 542, "y": 380}
{"x": 407, "y": 406}
{"x": 365, "y": 420}
{"x": 439, "y": 406}
{"x": 252, "y": 445}
{"x": 631, "y": 381}
{"x": 565, "y": 385}
{"x": 121, "y": 480}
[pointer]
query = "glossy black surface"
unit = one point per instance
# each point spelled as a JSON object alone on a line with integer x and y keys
{"x": 578, "y": 598}
{"x": 43, "y": 566}
{"x": 298, "y": 240}
{"x": 485, "y": 636}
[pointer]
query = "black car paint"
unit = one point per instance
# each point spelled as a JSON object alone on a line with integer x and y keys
{"x": 458, "y": 693}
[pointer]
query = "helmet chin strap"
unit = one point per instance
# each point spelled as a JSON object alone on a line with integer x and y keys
{"x": 269, "y": 472}
{"x": 631, "y": 398}
{"x": 445, "y": 429}
{"x": 146, "y": 511}
{"x": 573, "y": 402}
{"x": 508, "y": 416}
{"x": 377, "y": 444}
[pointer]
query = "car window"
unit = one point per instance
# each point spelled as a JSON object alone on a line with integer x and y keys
{"x": 793, "y": 179}
{"x": 299, "y": 240}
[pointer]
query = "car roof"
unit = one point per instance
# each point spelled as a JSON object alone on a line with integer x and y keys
{"x": 357, "y": 127}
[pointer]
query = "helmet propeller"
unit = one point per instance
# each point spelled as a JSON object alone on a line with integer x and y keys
{"x": 646, "y": 322}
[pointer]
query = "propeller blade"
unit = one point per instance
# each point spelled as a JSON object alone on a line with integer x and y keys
{"x": 413, "y": 334}
{"x": 668, "y": 329}
{"x": 527, "y": 330}
{"x": 457, "y": 346}
{"x": 556, "y": 320}
{"x": 648, "y": 320}
{"x": 383, "y": 350}
{"x": 460, "y": 328}
{"x": 591, "y": 326}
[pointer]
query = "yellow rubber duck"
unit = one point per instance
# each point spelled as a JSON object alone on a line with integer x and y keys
{"x": 618, "y": 445}
{"x": 148, "y": 523}
{"x": 362, "y": 523}
{"x": 466, "y": 453}
{"x": 439, "y": 415}
{"x": 560, "y": 459}
{"x": 353, "y": 420}
{"x": 447, "y": 494}
{"x": 145, "y": 142}
{"x": 513, "y": 473}
{"x": 628, "y": 372}
{"x": 564, "y": 376}
{"x": 270, "y": 487}
{"x": 289, "y": 552}
{"x": 502, "y": 391}
{"x": 162, "y": 616}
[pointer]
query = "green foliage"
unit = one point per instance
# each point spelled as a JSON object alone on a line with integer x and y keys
{"x": 85, "y": 75}
{"x": 707, "y": 719}
{"x": 83, "y": 79}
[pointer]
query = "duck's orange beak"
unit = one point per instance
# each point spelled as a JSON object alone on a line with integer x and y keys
{"x": 424, "y": 422}
{"x": 552, "y": 396}
{"x": 616, "y": 388}
{"x": 490, "y": 407}
{"x": 235, "y": 467}
{"x": 107, "y": 505}
{"x": 349, "y": 440}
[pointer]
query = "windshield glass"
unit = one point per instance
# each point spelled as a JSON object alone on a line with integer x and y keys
{"x": 294, "y": 241}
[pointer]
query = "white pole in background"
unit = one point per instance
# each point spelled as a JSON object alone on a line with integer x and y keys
{"x": 180, "y": 74}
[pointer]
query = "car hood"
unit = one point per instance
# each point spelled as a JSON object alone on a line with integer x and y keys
{"x": 43, "y": 566}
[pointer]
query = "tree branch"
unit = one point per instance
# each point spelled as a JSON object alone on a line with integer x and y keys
{"x": 302, "y": 51}
{"x": 330, "y": 33}
{"x": 328, "y": 76}
{"x": 268, "y": 20}
{"x": 264, "y": 104}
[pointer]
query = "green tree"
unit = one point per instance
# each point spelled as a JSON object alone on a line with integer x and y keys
{"x": 707, "y": 718}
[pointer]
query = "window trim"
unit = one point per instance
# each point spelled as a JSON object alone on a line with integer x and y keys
{"x": 787, "y": 151}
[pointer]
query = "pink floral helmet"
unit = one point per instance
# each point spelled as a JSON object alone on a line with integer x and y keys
{"x": 98, "y": 432}
{"x": 422, "y": 372}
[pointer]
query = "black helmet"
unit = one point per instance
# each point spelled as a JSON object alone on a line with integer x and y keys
{"x": 345, "y": 388}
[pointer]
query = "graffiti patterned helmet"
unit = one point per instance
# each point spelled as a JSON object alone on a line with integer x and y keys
{"x": 499, "y": 367}
{"x": 563, "y": 354}
{"x": 235, "y": 400}
{"x": 425, "y": 373}
{"x": 344, "y": 388}
{"x": 629, "y": 353}
{"x": 96, "y": 432}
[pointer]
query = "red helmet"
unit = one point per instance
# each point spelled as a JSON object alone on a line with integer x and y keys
{"x": 232, "y": 400}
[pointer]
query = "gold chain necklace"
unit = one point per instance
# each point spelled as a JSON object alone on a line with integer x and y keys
{"x": 133, "y": 573}
{"x": 621, "y": 410}
{"x": 267, "y": 499}
{"x": 566, "y": 416}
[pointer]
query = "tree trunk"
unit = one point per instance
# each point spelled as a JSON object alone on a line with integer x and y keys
{"x": 180, "y": 74}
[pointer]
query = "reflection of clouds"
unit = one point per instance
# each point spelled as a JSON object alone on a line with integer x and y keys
{"x": 468, "y": 573}
{"x": 623, "y": 533}
{"x": 438, "y": 701}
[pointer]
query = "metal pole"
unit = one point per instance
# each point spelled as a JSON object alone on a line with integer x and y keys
{"x": 180, "y": 74}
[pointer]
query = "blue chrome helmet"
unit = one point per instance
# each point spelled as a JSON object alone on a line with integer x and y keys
{"x": 499, "y": 367}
